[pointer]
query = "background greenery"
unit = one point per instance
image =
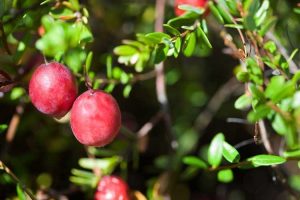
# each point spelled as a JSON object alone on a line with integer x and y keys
{"x": 43, "y": 153}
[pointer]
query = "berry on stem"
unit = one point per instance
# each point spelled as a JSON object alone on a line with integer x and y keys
{"x": 112, "y": 188}
{"x": 196, "y": 3}
{"x": 52, "y": 89}
{"x": 95, "y": 118}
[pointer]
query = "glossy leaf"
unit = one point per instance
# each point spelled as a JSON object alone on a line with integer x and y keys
{"x": 125, "y": 50}
{"x": 215, "y": 150}
{"x": 259, "y": 113}
{"x": 225, "y": 176}
{"x": 88, "y": 61}
{"x": 230, "y": 153}
{"x": 189, "y": 44}
{"x": 243, "y": 102}
{"x": 105, "y": 164}
{"x": 266, "y": 160}
{"x": 21, "y": 194}
{"x": 202, "y": 37}
{"x": 190, "y": 8}
{"x": 171, "y": 30}
{"x": 194, "y": 161}
{"x": 292, "y": 154}
{"x": 215, "y": 12}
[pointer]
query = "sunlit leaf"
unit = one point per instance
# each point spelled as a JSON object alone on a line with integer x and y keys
{"x": 215, "y": 150}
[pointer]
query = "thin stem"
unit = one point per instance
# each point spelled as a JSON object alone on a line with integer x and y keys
{"x": 264, "y": 137}
{"x": 17, "y": 180}
{"x": 232, "y": 166}
{"x": 221, "y": 95}
{"x": 160, "y": 76}
{"x": 147, "y": 127}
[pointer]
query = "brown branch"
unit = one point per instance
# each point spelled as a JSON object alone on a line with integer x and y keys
{"x": 160, "y": 76}
{"x": 147, "y": 127}
{"x": 17, "y": 180}
{"x": 14, "y": 123}
{"x": 222, "y": 94}
{"x": 264, "y": 137}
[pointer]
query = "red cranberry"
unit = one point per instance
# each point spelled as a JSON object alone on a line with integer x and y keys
{"x": 196, "y": 3}
{"x": 95, "y": 118}
{"x": 52, "y": 89}
{"x": 112, "y": 188}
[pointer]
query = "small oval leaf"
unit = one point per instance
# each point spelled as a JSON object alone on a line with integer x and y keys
{"x": 194, "y": 161}
{"x": 215, "y": 150}
{"x": 266, "y": 160}
{"x": 230, "y": 153}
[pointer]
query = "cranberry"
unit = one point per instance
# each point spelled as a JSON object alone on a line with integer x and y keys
{"x": 52, "y": 89}
{"x": 112, "y": 188}
{"x": 196, "y": 3}
{"x": 95, "y": 118}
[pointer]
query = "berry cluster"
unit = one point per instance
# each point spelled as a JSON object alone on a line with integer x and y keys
{"x": 95, "y": 115}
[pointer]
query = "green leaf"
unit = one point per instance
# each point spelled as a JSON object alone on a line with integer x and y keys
{"x": 109, "y": 66}
{"x": 83, "y": 181}
{"x": 259, "y": 113}
{"x": 277, "y": 89}
{"x": 106, "y": 165}
{"x": 177, "y": 46}
{"x": 270, "y": 46}
{"x": 294, "y": 182}
{"x": 88, "y": 61}
{"x": 267, "y": 25}
{"x": 202, "y": 37}
{"x": 21, "y": 194}
{"x": 243, "y": 76}
{"x": 243, "y": 102}
{"x": 215, "y": 12}
{"x": 232, "y": 6}
{"x": 236, "y": 26}
{"x": 127, "y": 90}
{"x": 125, "y": 50}
{"x": 230, "y": 153}
{"x": 292, "y": 154}
{"x": 187, "y": 19}
{"x": 296, "y": 10}
{"x": 157, "y": 37}
{"x": 280, "y": 125}
{"x": 256, "y": 93}
{"x": 187, "y": 141}
{"x": 215, "y": 150}
{"x": 16, "y": 93}
{"x": 190, "y": 8}
{"x": 194, "y": 161}
{"x": 225, "y": 176}
{"x": 189, "y": 44}
{"x": 74, "y": 58}
{"x": 266, "y": 160}
{"x": 171, "y": 30}
{"x": 3, "y": 127}
{"x": 224, "y": 14}
{"x": 160, "y": 53}
{"x": 82, "y": 173}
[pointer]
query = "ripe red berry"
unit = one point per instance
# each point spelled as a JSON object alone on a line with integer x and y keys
{"x": 196, "y": 3}
{"x": 95, "y": 118}
{"x": 52, "y": 89}
{"x": 112, "y": 188}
